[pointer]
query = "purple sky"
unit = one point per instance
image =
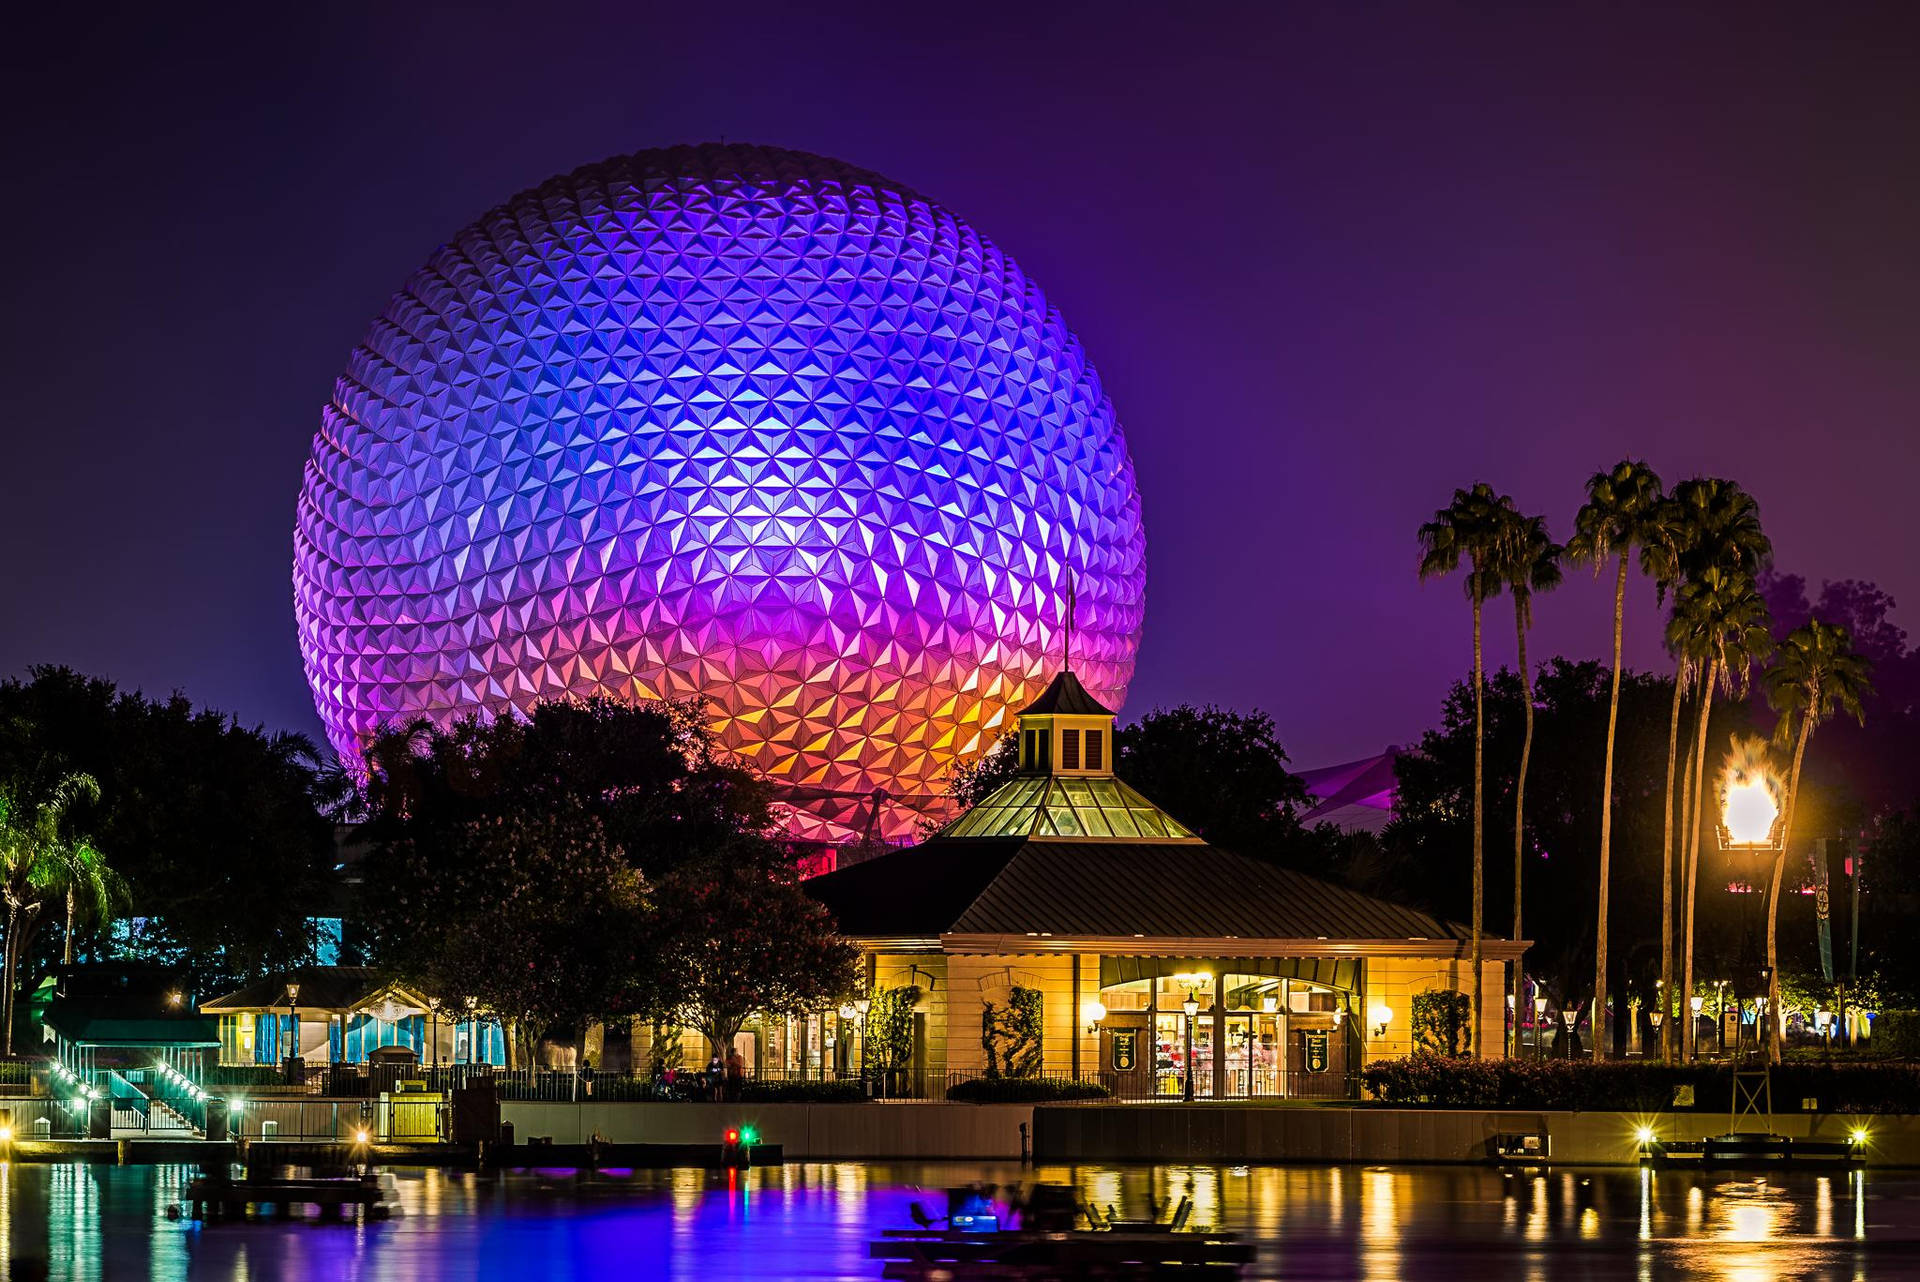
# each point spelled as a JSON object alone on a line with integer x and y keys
{"x": 1331, "y": 262}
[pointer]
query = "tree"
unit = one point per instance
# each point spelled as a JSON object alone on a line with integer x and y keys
{"x": 736, "y": 938}
{"x": 1816, "y": 674}
{"x": 1416, "y": 858}
{"x": 1622, "y": 512}
{"x": 1529, "y": 563}
{"x": 1221, "y": 773}
{"x": 1721, "y": 622}
{"x": 222, "y": 856}
{"x": 535, "y": 916}
{"x": 1471, "y": 528}
{"x": 1726, "y": 623}
{"x": 39, "y": 859}
{"x": 651, "y": 773}
{"x": 644, "y": 794}
{"x": 974, "y": 781}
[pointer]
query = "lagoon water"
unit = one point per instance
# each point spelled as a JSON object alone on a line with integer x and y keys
{"x": 814, "y": 1220}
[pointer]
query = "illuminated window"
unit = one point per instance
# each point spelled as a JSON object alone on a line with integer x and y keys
{"x": 1069, "y": 749}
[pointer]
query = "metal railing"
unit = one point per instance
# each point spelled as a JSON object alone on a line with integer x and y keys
{"x": 1168, "y": 1087}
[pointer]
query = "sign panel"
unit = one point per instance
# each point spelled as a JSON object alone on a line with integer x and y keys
{"x": 1315, "y": 1052}
{"x": 1126, "y": 1045}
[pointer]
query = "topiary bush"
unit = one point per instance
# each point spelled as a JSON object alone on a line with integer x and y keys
{"x": 1023, "y": 1090}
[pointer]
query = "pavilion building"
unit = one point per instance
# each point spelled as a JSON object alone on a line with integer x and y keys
{"x": 1070, "y": 911}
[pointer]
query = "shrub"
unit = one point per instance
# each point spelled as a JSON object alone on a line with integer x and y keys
{"x": 754, "y": 1091}
{"x": 1441, "y": 1081}
{"x": 1443, "y": 1022}
{"x": 1896, "y": 1032}
{"x": 1023, "y": 1090}
{"x": 243, "y": 1075}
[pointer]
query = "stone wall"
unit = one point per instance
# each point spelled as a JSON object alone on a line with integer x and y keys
{"x": 805, "y": 1131}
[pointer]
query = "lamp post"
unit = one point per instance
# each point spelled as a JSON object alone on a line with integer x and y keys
{"x": 473, "y": 1031}
{"x": 293, "y": 1019}
{"x": 1762, "y": 1011}
{"x": 1751, "y": 822}
{"x": 861, "y": 1005}
{"x": 1539, "y": 1015}
{"x": 1192, "y": 1007}
{"x": 1696, "y": 1003}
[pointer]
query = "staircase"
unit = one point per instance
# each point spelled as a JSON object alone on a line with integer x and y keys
{"x": 139, "y": 1114}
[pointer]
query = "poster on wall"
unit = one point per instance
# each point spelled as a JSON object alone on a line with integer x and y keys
{"x": 1316, "y": 1054}
{"x": 1125, "y": 1047}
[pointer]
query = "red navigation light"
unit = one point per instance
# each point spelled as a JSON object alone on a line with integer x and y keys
{"x": 733, "y": 1135}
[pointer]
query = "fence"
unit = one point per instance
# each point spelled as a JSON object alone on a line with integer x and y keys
{"x": 1142, "y": 1087}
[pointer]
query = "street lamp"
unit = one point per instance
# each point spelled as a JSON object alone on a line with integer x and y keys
{"x": 1539, "y": 1016}
{"x": 1697, "y": 1003}
{"x": 1192, "y": 1007}
{"x": 293, "y": 1017}
{"x": 1570, "y": 1018}
{"x": 1751, "y": 820}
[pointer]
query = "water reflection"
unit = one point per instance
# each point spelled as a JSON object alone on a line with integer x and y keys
{"x": 814, "y": 1221}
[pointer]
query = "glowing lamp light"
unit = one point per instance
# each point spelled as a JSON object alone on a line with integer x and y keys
{"x": 749, "y": 1136}
{"x": 6, "y": 1134}
{"x": 1857, "y": 1137}
{"x": 1749, "y": 813}
{"x": 1092, "y": 1011}
{"x": 1381, "y": 1017}
{"x": 360, "y": 1135}
{"x": 733, "y": 1136}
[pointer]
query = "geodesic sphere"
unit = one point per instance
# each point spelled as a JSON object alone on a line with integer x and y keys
{"x": 729, "y": 421}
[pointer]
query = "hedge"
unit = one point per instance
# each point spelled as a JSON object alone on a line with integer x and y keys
{"x": 1437, "y": 1081}
{"x": 1023, "y": 1090}
{"x": 693, "y": 1089}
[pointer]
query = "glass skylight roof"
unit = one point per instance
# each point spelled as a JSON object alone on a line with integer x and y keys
{"x": 1053, "y": 807}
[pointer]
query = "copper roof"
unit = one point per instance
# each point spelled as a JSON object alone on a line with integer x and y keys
{"x": 1183, "y": 890}
{"x": 1065, "y": 695}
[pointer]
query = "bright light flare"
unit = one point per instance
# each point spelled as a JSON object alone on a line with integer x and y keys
{"x": 1644, "y": 1134}
{"x": 1749, "y": 812}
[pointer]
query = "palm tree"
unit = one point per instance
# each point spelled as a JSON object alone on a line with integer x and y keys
{"x": 1817, "y": 674}
{"x": 1667, "y": 537}
{"x": 35, "y": 856}
{"x": 1721, "y": 524}
{"x": 1622, "y": 507}
{"x": 1721, "y": 623}
{"x": 1473, "y": 527}
{"x": 91, "y": 889}
{"x": 1529, "y": 562}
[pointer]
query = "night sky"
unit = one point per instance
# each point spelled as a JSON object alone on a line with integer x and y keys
{"x": 1330, "y": 260}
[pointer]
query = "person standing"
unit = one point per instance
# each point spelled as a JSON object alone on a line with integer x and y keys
{"x": 736, "y": 1072}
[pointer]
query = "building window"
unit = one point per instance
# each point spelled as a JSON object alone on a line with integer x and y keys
{"x": 1031, "y": 757}
{"x": 1094, "y": 747}
{"x": 1069, "y": 749}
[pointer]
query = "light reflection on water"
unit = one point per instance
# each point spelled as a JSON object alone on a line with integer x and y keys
{"x": 95, "y": 1222}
